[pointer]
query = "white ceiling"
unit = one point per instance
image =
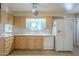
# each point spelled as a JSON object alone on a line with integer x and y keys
{"x": 42, "y": 7}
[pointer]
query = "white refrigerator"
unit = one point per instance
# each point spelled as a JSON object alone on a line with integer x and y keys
{"x": 64, "y": 34}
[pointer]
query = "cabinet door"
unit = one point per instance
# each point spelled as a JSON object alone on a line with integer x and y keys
{"x": 10, "y": 19}
{"x": 0, "y": 16}
{"x": 17, "y": 42}
{"x": 23, "y": 42}
{"x": 12, "y": 47}
{"x": 8, "y": 42}
{"x": 7, "y": 50}
{"x": 4, "y": 17}
{"x": 20, "y": 21}
{"x": 59, "y": 40}
{"x": 8, "y": 45}
{"x": 35, "y": 42}
{"x": 31, "y": 42}
{"x": 28, "y": 42}
{"x": 38, "y": 43}
{"x": 1, "y": 46}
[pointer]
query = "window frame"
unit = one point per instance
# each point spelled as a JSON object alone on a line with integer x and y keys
{"x": 42, "y": 20}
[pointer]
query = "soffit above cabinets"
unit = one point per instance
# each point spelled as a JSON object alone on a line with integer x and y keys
{"x": 42, "y": 7}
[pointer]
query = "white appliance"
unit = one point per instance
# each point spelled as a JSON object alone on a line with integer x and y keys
{"x": 64, "y": 35}
{"x": 48, "y": 42}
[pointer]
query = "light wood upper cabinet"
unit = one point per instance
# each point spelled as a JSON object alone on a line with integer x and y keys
{"x": 10, "y": 19}
{"x": 0, "y": 16}
{"x": 20, "y": 21}
{"x": 4, "y": 17}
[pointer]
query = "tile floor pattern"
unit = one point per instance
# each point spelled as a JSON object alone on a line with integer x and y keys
{"x": 44, "y": 53}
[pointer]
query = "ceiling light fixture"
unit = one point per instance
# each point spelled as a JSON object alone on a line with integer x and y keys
{"x": 69, "y": 6}
{"x": 34, "y": 10}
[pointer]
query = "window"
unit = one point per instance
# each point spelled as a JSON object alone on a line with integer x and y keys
{"x": 8, "y": 28}
{"x": 36, "y": 23}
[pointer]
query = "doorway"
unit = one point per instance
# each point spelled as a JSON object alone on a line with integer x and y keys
{"x": 76, "y": 32}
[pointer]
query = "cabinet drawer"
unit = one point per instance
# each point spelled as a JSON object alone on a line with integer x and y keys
{"x": 7, "y": 50}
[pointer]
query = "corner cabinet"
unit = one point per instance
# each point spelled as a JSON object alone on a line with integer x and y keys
{"x": 6, "y": 45}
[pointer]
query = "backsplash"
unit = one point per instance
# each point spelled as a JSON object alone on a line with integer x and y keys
{"x": 19, "y": 31}
{"x": 26, "y": 31}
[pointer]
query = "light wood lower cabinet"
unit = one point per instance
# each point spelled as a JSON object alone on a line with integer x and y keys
{"x": 7, "y": 50}
{"x": 6, "y": 45}
{"x": 8, "y": 42}
{"x": 1, "y": 46}
{"x": 28, "y": 42}
{"x": 17, "y": 42}
{"x": 38, "y": 43}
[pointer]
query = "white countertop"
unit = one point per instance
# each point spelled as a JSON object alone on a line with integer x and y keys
{"x": 5, "y": 36}
{"x": 34, "y": 35}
